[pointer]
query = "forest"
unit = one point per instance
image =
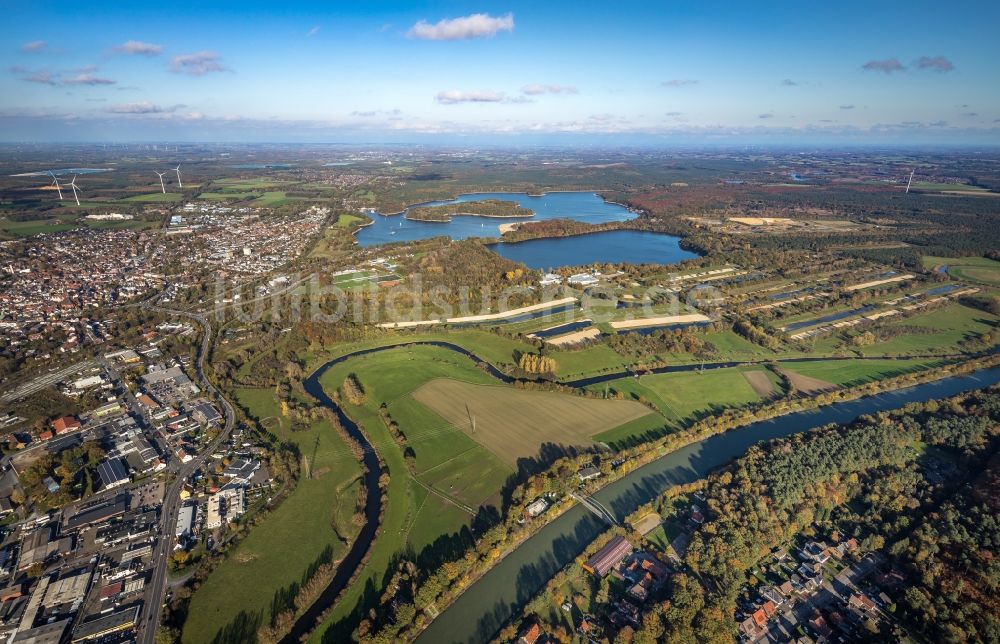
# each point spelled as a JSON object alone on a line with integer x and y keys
{"x": 867, "y": 480}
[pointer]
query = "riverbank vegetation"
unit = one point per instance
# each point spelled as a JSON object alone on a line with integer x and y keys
{"x": 893, "y": 485}
{"x": 258, "y": 580}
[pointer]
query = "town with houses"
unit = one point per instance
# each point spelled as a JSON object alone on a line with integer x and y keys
{"x": 77, "y": 567}
{"x": 84, "y": 545}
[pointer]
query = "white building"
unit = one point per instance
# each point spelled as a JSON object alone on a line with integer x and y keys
{"x": 185, "y": 521}
{"x": 227, "y": 505}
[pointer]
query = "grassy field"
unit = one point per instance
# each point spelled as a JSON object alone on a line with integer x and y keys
{"x": 514, "y": 424}
{"x": 689, "y": 395}
{"x": 345, "y": 220}
{"x": 271, "y": 199}
{"x": 28, "y": 228}
{"x": 973, "y": 269}
{"x": 155, "y": 197}
{"x": 453, "y": 464}
{"x": 681, "y": 397}
{"x": 489, "y": 346}
{"x": 353, "y": 280}
{"x": 733, "y": 346}
{"x": 946, "y": 187}
{"x": 249, "y": 184}
{"x": 851, "y": 372}
{"x": 592, "y": 359}
{"x": 228, "y": 196}
{"x": 279, "y": 549}
{"x": 949, "y": 325}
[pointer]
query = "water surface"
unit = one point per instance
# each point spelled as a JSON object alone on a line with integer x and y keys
{"x": 613, "y": 246}
{"x": 582, "y": 206}
{"x": 479, "y": 613}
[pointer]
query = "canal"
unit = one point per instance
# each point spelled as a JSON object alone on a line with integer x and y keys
{"x": 479, "y": 613}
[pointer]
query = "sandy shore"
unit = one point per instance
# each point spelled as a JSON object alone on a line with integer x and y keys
{"x": 690, "y": 318}
{"x": 575, "y": 337}
{"x": 898, "y": 278}
{"x": 487, "y": 317}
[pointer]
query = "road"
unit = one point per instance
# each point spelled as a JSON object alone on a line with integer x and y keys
{"x": 171, "y": 498}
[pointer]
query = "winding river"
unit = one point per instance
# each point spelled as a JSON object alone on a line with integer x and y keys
{"x": 479, "y": 613}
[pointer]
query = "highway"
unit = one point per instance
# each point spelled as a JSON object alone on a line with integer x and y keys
{"x": 171, "y": 497}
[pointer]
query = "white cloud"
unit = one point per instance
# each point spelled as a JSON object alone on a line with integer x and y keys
{"x": 887, "y": 66}
{"x": 454, "y": 96}
{"x": 679, "y": 82}
{"x": 197, "y": 64}
{"x": 34, "y": 46}
{"x": 312, "y": 32}
{"x": 141, "y": 107}
{"x": 88, "y": 79}
{"x": 139, "y": 48}
{"x": 477, "y": 25}
{"x": 935, "y": 63}
{"x": 538, "y": 88}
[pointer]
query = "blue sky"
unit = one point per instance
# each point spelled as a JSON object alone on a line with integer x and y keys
{"x": 521, "y": 72}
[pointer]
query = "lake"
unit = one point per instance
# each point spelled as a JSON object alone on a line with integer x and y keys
{"x": 632, "y": 246}
{"x": 581, "y": 206}
{"x": 613, "y": 246}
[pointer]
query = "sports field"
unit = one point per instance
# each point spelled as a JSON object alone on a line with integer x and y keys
{"x": 514, "y": 424}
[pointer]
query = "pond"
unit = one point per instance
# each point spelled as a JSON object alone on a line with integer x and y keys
{"x": 613, "y": 246}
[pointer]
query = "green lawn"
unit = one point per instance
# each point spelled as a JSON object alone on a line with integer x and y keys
{"x": 851, "y": 372}
{"x": 278, "y": 550}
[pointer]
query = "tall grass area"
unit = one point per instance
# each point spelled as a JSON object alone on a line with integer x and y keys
{"x": 280, "y": 548}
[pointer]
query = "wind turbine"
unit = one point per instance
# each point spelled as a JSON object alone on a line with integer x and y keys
{"x": 72, "y": 184}
{"x": 910, "y": 181}
{"x": 55, "y": 182}
{"x": 162, "y": 187}
{"x": 178, "y": 171}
